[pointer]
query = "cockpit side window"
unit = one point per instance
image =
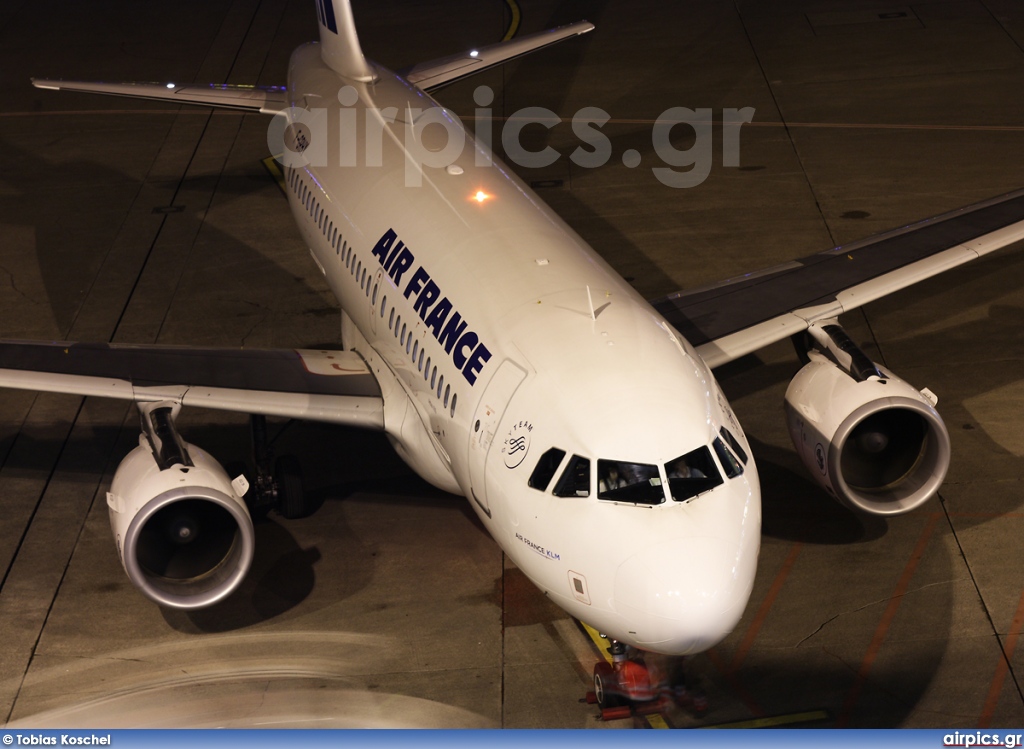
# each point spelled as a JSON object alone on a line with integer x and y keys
{"x": 639, "y": 483}
{"x": 575, "y": 479}
{"x": 729, "y": 463}
{"x": 546, "y": 467}
{"x": 692, "y": 474}
{"x": 734, "y": 444}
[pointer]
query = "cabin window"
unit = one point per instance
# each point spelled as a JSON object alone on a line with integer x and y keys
{"x": 373, "y": 299}
{"x": 575, "y": 479}
{"x": 621, "y": 481}
{"x": 545, "y": 469}
{"x": 391, "y": 319}
{"x": 692, "y": 474}
{"x": 447, "y": 393}
{"x": 440, "y": 385}
{"x": 426, "y": 370}
{"x": 383, "y": 304}
{"x": 415, "y": 350}
{"x": 454, "y": 398}
{"x": 420, "y": 365}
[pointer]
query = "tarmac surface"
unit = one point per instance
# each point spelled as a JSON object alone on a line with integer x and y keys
{"x": 390, "y": 606}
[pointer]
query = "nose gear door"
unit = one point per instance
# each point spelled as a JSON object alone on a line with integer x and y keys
{"x": 489, "y": 411}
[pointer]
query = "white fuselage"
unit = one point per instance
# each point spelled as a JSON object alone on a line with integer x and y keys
{"x": 498, "y": 337}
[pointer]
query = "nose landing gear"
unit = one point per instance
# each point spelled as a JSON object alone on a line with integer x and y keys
{"x": 637, "y": 683}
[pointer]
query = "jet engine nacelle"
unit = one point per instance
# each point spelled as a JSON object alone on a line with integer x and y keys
{"x": 184, "y": 535}
{"x": 877, "y": 445}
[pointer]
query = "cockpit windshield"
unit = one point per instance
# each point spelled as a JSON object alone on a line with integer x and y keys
{"x": 575, "y": 479}
{"x": 689, "y": 475}
{"x": 692, "y": 474}
{"x": 639, "y": 483}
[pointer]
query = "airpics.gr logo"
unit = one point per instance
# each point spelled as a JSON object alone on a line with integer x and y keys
{"x": 517, "y": 444}
{"x": 433, "y": 137}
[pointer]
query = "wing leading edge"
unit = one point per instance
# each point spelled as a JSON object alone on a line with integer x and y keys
{"x": 331, "y": 386}
{"x": 741, "y": 315}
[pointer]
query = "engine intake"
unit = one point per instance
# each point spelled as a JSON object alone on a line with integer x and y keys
{"x": 183, "y": 533}
{"x": 877, "y": 445}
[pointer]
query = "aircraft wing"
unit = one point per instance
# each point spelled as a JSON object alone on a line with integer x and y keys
{"x": 430, "y": 76}
{"x": 735, "y": 317}
{"x": 264, "y": 99}
{"x": 332, "y": 386}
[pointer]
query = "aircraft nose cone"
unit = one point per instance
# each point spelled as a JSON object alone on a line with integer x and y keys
{"x": 685, "y": 594}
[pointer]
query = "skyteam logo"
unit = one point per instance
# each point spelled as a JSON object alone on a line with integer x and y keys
{"x": 325, "y": 11}
{"x": 517, "y": 444}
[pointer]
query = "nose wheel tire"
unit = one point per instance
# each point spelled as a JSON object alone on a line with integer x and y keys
{"x": 606, "y": 687}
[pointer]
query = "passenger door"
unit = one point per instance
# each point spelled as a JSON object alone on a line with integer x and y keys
{"x": 489, "y": 411}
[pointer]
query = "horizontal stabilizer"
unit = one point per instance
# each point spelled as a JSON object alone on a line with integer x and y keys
{"x": 436, "y": 73}
{"x": 264, "y": 99}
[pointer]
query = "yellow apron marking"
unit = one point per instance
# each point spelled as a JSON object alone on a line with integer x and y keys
{"x": 656, "y": 721}
{"x": 513, "y": 25}
{"x": 776, "y": 720}
{"x": 271, "y": 165}
{"x": 601, "y": 642}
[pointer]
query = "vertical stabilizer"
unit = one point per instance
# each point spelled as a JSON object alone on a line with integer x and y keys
{"x": 339, "y": 44}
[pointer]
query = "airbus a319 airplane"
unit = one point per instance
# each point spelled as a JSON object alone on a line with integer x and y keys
{"x": 508, "y": 363}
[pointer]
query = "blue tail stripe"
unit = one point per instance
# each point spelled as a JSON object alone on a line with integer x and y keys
{"x": 328, "y": 10}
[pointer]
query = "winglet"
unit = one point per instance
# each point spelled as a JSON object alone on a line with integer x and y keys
{"x": 339, "y": 43}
